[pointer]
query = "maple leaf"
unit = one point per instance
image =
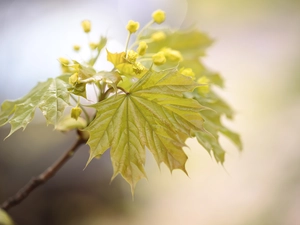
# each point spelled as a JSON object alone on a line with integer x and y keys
{"x": 192, "y": 45}
{"x": 153, "y": 115}
{"x": 51, "y": 97}
{"x": 210, "y": 140}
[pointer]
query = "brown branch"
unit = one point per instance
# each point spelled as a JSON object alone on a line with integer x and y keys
{"x": 42, "y": 178}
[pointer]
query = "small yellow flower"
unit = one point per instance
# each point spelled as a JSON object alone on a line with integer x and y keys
{"x": 73, "y": 79}
{"x": 138, "y": 67}
{"x": 159, "y": 16}
{"x": 75, "y": 112}
{"x": 172, "y": 55}
{"x": 158, "y": 36}
{"x": 142, "y": 48}
{"x": 188, "y": 72}
{"x": 86, "y": 26}
{"x": 64, "y": 61}
{"x": 131, "y": 56}
{"x": 132, "y": 26}
{"x": 93, "y": 45}
{"x": 204, "y": 88}
{"x": 159, "y": 58}
{"x": 76, "y": 48}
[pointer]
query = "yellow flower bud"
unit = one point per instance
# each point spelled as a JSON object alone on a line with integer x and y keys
{"x": 73, "y": 79}
{"x": 131, "y": 56}
{"x": 159, "y": 16}
{"x": 172, "y": 55}
{"x": 142, "y": 48}
{"x": 204, "y": 89}
{"x": 86, "y": 26}
{"x": 188, "y": 72}
{"x": 159, "y": 58}
{"x": 76, "y": 48}
{"x": 93, "y": 45}
{"x": 158, "y": 36}
{"x": 138, "y": 67}
{"x": 75, "y": 112}
{"x": 64, "y": 61}
{"x": 132, "y": 26}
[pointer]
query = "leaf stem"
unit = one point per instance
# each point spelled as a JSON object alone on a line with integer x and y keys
{"x": 83, "y": 110}
{"x": 43, "y": 177}
{"x": 127, "y": 42}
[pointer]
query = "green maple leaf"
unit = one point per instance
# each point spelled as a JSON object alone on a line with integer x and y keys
{"x": 51, "y": 97}
{"x": 192, "y": 45}
{"x": 210, "y": 140}
{"x": 153, "y": 115}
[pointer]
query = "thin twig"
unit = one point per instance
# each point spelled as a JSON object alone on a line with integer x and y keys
{"x": 42, "y": 178}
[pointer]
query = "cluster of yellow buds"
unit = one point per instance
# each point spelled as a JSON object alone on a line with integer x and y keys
{"x": 138, "y": 68}
{"x": 132, "y": 59}
{"x": 132, "y": 56}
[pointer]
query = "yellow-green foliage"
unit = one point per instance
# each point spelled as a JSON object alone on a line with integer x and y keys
{"x": 157, "y": 95}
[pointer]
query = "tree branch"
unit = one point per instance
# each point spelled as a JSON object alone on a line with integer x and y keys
{"x": 42, "y": 178}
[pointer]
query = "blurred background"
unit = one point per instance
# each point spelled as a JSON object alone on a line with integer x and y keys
{"x": 257, "y": 52}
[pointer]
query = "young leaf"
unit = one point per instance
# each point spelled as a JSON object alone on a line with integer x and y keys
{"x": 192, "y": 45}
{"x": 116, "y": 58}
{"x": 51, "y": 97}
{"x": 154, "y": 114}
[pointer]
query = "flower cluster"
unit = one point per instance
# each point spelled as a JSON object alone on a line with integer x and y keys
{"x": 151, "y": 50}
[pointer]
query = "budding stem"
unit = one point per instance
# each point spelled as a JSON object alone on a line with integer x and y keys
{"x": 144, "y": 28}
{"x": 83, "y": 109}
{"x": 127, "y": 42}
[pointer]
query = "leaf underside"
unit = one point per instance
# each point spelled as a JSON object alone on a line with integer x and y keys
{"x": 153, "y": 115}
{"x": 51, "y": 97}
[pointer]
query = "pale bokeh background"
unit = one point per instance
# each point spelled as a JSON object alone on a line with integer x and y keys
{"x": 257, "y": 52}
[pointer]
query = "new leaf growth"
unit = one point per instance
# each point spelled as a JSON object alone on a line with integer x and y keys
{"x": 157, "y": 95}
